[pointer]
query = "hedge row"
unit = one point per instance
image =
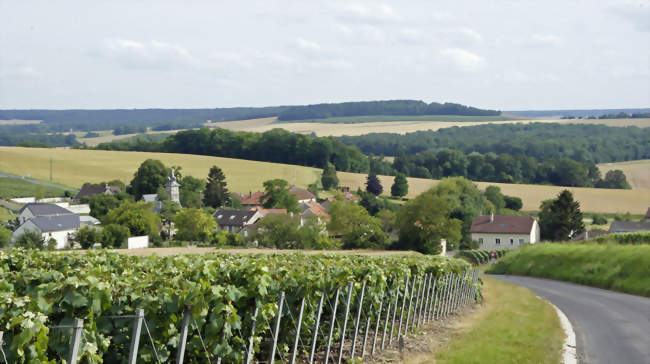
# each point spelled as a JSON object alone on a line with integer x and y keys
{"x": 479, "y": 256}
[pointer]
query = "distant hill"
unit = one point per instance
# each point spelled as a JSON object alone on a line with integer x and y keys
{"x": 386, "y": 107}
{"x": 574, "y": 113}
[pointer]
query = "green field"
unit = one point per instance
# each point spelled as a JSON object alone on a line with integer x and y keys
{"x": 527, "y": 328}
{"x": 376, "y": 118}
{"x": 74, "y": 167}
{"x": 13, "y": 187}
{"x": 624, "y": 268}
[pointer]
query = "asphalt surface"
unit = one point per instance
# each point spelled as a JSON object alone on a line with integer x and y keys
{"x": 610, "y": 327}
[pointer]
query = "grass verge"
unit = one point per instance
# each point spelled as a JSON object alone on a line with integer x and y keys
{"x": 515, "y": 326}
{"x": 14, "y": 187}
{"x": 624, "y": 268}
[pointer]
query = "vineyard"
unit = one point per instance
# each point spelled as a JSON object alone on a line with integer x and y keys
{"x": 112, "y": 308}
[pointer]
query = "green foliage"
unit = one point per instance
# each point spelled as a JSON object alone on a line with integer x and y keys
{"x": 621, "y": 238}
{"x": 513, "y": 203}
{"x": 222, "y": 291}
{"x": 190, "y": 191}
{"x": 282, "y": 231}
{"x": 400, "y": 187}
{"x": 101, "y": 204}
{"x": 222, "y": 238}
{"x": 277, "y": 196}
{"x": 216, "y": 190}
{"x": 598, "y": 219}
{"x": 560, "y": 219}
{"x": 357, "y": 229}
{"x": 374, "y": 204}
{"x": 31, "y": 239}
{"x": 422, "y": 227}
{"x": 151, "y": 175}
{"x": 114, "y": 236}
{"x": 373, "y": 185}
{"x": 329, "y": 180}
{"x": 15, "y": 187}
{"x": 624, "y": 268}
{"x": 493, "y": 194}
{"x": 614, "y": 178}
{"x": 194, "y": 225}
{"x": 138, "y": 217}
{"x": 87, "y": 237}
{"x": 5, "y": 237}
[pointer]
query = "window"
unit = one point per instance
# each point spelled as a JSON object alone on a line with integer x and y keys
{"x": 497, "y": 241}
{"x": 480, "y": 241}
{"x": 512, "y": 241}
{"x": 521, "y": 241}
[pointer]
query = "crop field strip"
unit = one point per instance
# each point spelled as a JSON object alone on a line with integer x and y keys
{"x": 103, "y": 307}
{"x": 75, "y": 167}
{"x": 637, "y": 172}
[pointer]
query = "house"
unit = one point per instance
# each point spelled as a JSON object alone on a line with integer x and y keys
{"x": 235, "y": 220}
{"x": 302, "y": 194}
{"x": 312, "y": 209}
{"x": 495, "y": 232}
{"x": 58, "y": 227}
{"x": 32, "y": 210}
{"x": 89, "y": 190}
{"x": 629, "y": 226}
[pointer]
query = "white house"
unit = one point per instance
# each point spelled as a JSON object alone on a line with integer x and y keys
{"x": 497, "y": 232}
{"x": 32, "y": 210}
{"x": 58, "y": 227}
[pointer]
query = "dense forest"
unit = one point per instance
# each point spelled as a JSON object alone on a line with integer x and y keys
{"x": 575, "y": 113}
{"x": 277, "y": 145}
{"x": 89, "y": 120}
{"x": 542, "y": 141}
{"x": 388, "y": 107}
{"x": 37, "y": 140}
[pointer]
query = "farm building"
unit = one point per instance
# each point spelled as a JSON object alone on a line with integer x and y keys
{"x": 89, "y": 190}
{"x": 629, "y": 226}
{"x": 235, "y": 220}
{"x": 32, "y": 210}
{"x": 495, "y": 232}
{"x": 58, "y": 227}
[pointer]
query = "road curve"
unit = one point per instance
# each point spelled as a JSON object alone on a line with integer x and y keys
{"x": 611, "y": 327}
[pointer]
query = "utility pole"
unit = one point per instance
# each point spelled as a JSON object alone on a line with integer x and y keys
{"x": 50, "y": 169}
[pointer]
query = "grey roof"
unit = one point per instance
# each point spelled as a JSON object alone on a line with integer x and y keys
{"x": 151, "y": 197}
{"x": 89, "y": 190}
{"x": 629, "y": 226}
{"x": 43, "y": 209}
{"x": 56, "y": 223}
{"x": 233, "y": 217}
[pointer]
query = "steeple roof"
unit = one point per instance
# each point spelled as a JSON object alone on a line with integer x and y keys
{"x": 171, "y": 182}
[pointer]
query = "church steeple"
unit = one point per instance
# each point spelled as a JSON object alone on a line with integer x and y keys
{"x": 172, "y": 186}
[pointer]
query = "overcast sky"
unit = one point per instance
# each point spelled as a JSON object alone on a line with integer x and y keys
{"x": 495, "y": 54}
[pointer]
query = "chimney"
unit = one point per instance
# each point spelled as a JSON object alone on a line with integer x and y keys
{"x": 250, "y": 194}
{"x": 492, "y": 217}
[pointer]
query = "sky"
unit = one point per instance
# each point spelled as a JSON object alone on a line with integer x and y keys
{"x": 498, "y": 54}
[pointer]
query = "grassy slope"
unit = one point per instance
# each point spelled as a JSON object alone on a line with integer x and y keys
{"x": 624, "y": 268}
{"x": 514, "y": 327}
{"x": 12, "y": 187}
{"x": 637, "y": 172}
{"x": 74, "y": 167}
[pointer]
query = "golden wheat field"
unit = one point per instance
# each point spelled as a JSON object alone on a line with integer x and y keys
{"x": 636, "y": 172}
{"x": 74, "y": 167}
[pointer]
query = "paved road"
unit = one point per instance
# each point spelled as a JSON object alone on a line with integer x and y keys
{"x": 611, "y": 327}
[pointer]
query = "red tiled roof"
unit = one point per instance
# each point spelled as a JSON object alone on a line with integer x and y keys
{"x": 252, "y": 198}
{"x": 503, "y": 224}
{"x": 301, "y": 193}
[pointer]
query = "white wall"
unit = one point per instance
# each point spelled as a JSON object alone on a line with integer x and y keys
{"x": 79, "y": 209}
{"x": 489, "y": 240}
{"x": 138, "y": 242}
{"x": 61, "y": 237}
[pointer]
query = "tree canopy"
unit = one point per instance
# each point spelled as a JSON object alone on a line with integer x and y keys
{"x": 216, "y": 190}
{"x": 329, "y": 180}
{"x": 151, "y": 175}
{"x": 561, "y": 218}
{"x": 277, "y": 196}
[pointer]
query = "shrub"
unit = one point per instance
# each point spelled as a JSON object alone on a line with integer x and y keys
{"x": 87, "y": 237}
{"x": 31, "y": 239}
{"x": 599, "y": 219}
{"x": 114, "y": 236}
{"x": 5, "y": 237}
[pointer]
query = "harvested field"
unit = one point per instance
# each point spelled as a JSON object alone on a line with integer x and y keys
{"x": 74, "y": 167}
{"x": 19, "y": 122}
{"x": 636, "y": 172}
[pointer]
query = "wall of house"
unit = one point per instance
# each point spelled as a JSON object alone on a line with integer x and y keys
{"x": 22, "y": 229}
{"x": 534, "y": 233}
{"x": 25, "y": 215}
{"x": 490, "y": 240}
{"x": 61, "y": 237}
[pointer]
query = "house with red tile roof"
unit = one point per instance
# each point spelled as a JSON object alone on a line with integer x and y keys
{"x": 497, "y": 232}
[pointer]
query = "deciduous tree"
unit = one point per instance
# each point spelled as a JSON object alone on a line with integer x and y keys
{"x": 150, "y": 175}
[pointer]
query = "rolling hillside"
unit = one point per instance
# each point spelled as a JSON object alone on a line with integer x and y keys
{"x": 74, "y": 167}
{"x": 637, "y": 172}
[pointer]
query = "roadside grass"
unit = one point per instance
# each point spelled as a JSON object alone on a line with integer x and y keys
{"x": 13, "y": 187}
{"x": 514, "y": 326}
{"x": 73, "y": 167}
{"x": 624, "y": 268}
{"x": 5, "y": 214}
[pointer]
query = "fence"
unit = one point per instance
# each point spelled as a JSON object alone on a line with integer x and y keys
{"x": 364, "y": 326}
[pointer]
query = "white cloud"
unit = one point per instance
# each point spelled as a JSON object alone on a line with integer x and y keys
{"x": 548, "y": 39}
{"x": 152, "y": 54}
{"x": 637, "y": 12}
{"x": 366, "y": 12}
{"x": 307, "y": 45}
{"x": 464, "y": 59}
{"x": 471, "y": 34}
{"x": 24, "y": 71}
